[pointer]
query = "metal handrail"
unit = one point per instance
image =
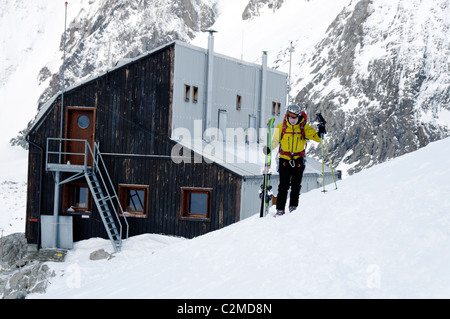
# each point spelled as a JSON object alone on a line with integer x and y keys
{"x": 96, "y": 160}
{"x": 60, "y": 152}
{"x": 97, "y": 155}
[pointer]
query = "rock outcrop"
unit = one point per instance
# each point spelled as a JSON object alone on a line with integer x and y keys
{"x": 21, "y": 273}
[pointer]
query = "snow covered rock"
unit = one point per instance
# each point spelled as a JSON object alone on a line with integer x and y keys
{"x": 31, "y": 279}
{"x": 254, "y": 7}
{"x": 100, "y": 254}
{"x": 380, "y": 77}
{"x": 12, "y": 249}
{"x": 20, "y": 273}
{"x": 106, "y": 31}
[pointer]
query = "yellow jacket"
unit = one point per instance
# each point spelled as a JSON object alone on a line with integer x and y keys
{"x": 293, "y": 143}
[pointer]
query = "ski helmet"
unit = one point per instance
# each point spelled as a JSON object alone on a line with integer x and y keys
{"x": 293, "y": 110}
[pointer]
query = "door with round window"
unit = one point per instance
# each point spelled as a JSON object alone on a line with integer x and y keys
{"x": 80, "y": 127}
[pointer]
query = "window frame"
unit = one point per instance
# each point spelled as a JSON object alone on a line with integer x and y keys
{"x": 195, "y": 94}
{"x": 276, "y": 108}
{"x": 68, "y": 197}
{"x": 185, "y": 214}
{"x": 123, "y": 198}
{"x": 187, "y": 92}
{"x": 238, "y": 102}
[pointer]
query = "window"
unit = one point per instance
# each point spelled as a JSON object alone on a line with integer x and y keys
{"x": 276, "y": 108}
{"x": 196, "y": 203}
{"x": 83, "y": 122}
{"x": 76, "y": 198}
{"x": 195, "y": 94}
{"x": 238, "y": 102}
{"x": 187, "y": 92}
{"x": 134, "y": 200}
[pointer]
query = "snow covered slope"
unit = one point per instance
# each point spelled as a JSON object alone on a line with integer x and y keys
{"x": 385, "y": 233}
{"x": 13, "y": 200}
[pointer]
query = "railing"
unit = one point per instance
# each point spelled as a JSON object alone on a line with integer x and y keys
{"x": 98, "y": 159}
{"x": 90, "y": 157}
{"x": 60, "y": 153}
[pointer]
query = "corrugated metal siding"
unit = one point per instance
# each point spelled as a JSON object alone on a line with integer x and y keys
{"x": 190, "y": 69}
{"x": 231, "y": 78}
{"x": 251, "y": 204}
{"x": 276, "y": 91}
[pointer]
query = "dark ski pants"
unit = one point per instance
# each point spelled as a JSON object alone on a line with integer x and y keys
{"x": 290, "y": 176}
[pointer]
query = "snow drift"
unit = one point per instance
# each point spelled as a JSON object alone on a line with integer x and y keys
{"x": 385, "y": 233}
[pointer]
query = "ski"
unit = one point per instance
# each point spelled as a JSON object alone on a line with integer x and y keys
{"x": 266, "y": 189}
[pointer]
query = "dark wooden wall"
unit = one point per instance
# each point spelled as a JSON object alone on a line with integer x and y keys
{"x": 40, "y": 186}
{"x": 165, "y": 179}
{"x": 134, "y": 117}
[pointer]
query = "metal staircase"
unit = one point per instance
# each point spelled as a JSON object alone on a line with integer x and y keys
{"x": 99, "y": 182}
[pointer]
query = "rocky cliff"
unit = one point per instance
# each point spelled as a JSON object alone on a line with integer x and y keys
{"x": 111, "y": 30}
{"x": 254, "y": 7}
{"x": 380, "y": 78}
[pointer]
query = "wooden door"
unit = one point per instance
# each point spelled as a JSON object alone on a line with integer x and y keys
{"x": 80, "y": 124}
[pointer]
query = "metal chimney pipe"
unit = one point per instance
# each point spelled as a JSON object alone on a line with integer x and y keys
{"x": 209, "y": 79}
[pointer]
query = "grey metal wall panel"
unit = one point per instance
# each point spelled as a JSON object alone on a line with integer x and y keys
{"x": 231, "y": 78}
{"x": 190, "y": 69}
{"x": 251, "y": 203}
{"x": 65, "y": 232}
{"x": 276, "y": 91}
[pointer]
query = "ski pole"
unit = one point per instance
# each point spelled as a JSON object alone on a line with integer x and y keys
{"x": 323, "y": 143}
{"x": 323, "y": 167}
{"x": 329, "y": 161}
{"x": 322, "y": 122}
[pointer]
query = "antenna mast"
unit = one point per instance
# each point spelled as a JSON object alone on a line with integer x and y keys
{"x": 63, "y": 84}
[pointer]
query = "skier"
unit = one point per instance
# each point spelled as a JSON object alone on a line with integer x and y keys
{"x": 292, "y": 134}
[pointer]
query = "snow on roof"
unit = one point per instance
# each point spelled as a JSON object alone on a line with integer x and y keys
{"x": 244, "y": 159}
